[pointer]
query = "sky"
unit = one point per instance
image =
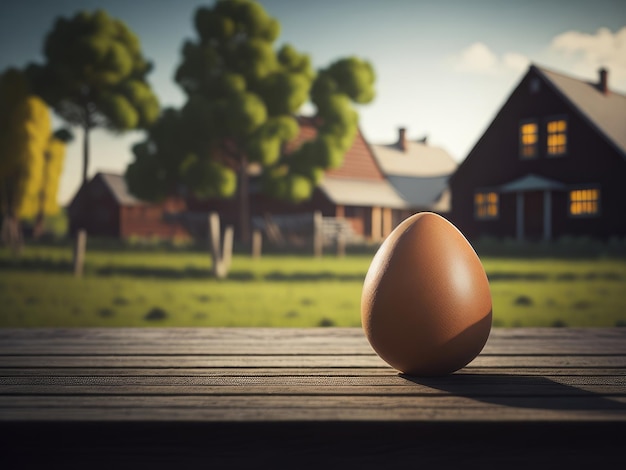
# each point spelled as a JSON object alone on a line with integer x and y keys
{"x": 444, "y": 67}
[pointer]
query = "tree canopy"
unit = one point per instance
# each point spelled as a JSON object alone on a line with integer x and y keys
{"x": 94, "y": 75}
{"x": 243, "y": 96}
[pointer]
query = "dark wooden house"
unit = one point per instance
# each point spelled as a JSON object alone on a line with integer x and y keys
{"x": 357, "y": 191}
{"x": 552, "y": 163}
{"x": 104, "y": 207}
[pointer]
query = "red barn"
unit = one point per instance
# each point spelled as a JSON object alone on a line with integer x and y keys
{"x": 104, "y": 207}
{"x": 552, "y": 163}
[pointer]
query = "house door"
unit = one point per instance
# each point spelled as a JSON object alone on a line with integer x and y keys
{"x": 533, "y": 215}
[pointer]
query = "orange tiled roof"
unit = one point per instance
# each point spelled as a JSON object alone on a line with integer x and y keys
{"x": 358, "y": 163}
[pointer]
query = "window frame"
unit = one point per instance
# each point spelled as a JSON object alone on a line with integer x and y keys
{"x": 486, "y": 192}
{"x": 584, "y": 215}
{"x": 520, "y": 139}
{"x": 547, "y": 134}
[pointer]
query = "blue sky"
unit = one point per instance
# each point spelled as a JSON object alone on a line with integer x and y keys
{"x": 444, "y": 67}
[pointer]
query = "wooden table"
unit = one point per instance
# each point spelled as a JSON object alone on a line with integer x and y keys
{"x": 306, "y": 398}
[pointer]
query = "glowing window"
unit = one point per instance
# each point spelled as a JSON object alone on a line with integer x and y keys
{"x": 528, "y": 136}
{"x": 584, "y": 202}
{"x": 557, "y": 137}
{"x": 486, "y": 205}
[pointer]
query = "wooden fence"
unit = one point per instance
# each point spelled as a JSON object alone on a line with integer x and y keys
{"x": 302, "y": 230}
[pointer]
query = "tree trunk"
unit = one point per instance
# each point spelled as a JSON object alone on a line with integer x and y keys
{"x": 38, "y": 226}
{"x": 85, "y": 151}
{"x": 14, "y": 232}
{"x": 244, "y": 201}
{"x": 4, "y": 230}
{"x": 11, "y": 229}
{"x": 80, "y": 241}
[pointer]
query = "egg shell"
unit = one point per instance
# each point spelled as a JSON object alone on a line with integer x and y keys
{"x": 426, "y": 305}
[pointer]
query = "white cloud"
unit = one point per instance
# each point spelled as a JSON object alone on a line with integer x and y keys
{"x": 515, "y": 61}
{"x": 476, "y": 58}
{"x": 586, "y": 53}
{"x": 479, "y": 59}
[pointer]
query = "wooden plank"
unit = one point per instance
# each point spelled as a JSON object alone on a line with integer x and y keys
{"x": 294, "y": 340}
{"x": 196, "y": 347}
{"x": 314, "y": 408}
{"x": 291, "y": 361}
{"x": 293, "y": 372}
{"x": 200, "y": 372}
{"x": 554, "y": 389}
{"x": 287, "y": 334}
{"x": 316, "y": 385}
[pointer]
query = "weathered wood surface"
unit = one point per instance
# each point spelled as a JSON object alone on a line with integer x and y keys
{"x": 198, "y": 394}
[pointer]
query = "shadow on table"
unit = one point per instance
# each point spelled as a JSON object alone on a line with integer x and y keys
{"x": 520, "y": 391}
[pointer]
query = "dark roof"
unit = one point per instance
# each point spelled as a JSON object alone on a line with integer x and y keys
{"x": 118, "y": 188}
{"x": 606, "y": 112}
{"x": 531, "y": 182}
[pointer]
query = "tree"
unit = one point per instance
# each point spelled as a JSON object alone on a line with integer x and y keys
{"x": 24, "y": 139}
{"x": 243, "y": 95}
{"x": 94, "y": 75}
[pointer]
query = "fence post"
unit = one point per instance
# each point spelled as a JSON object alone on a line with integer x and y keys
{"x": 318, "y": 236}
{"x": 341, "y": 242}
{"x": 227, "y": 249}
{"x": 221, "y": 259}
{"x": 257, "y": 242}
{"x": 79, "y": 252}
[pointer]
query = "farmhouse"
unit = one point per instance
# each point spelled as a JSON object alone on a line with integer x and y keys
{"x": 418, "y": 171}
{"x": 552, "y": 163}
{"x": 374, "y": 189}
{"x": 104, "y": 207}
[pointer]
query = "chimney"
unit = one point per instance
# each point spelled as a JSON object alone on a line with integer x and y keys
{"x": 402, "y": 139}
{"x": 604, "y": 81}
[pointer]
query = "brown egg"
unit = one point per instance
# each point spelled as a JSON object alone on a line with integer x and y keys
{"x": 426, "y": 304}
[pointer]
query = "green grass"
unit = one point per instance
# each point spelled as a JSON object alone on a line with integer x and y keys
{"x": 550, "y": 292}
{"x": 174, "y": 288}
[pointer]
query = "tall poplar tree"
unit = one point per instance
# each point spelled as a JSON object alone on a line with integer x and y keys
{"x": 243, "y": 96}
{"x": 24, "y": 139}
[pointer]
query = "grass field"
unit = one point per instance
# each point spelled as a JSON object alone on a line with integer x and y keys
{"x": 174, "y": 288}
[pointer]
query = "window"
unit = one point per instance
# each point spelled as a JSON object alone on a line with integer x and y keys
{"x": 584, "y": 202}
{"x": 486, "y": 205}
{"x": 556, "y": 137}
{"x": 528, "y": 138}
